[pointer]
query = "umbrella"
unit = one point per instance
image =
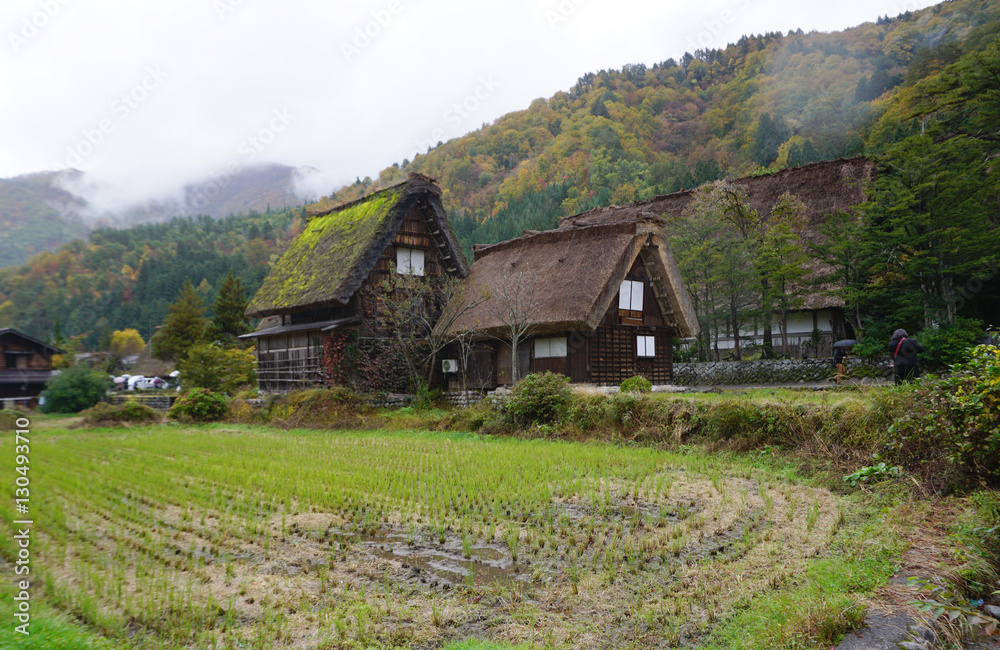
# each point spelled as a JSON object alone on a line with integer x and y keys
{"x": 843, "y": 343}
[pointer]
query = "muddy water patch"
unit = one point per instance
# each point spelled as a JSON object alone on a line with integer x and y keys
{"x": 453, "y": 562}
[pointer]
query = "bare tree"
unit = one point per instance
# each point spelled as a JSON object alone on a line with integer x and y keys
{"x": 514, "y": 304}
{"x": 419, "y": 311}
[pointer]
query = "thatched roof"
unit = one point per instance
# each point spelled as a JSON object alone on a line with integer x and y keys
{"x": 575, "y": 272}
{"x": 823, "y": 188}
{"x": 339, "y": 246}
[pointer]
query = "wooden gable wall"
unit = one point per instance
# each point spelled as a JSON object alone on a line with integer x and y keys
{"x": 17, "y": 353}
{"x": 413, "y": 233}
{"x": 612, "y": 346}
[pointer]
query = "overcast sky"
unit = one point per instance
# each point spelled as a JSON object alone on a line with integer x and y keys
{"x": 148, "y": 95}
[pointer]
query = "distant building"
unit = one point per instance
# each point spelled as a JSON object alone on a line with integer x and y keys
{"x": 25, "y": 367}
{"x": 823, "y": 188}
{"x": 328, "y": 279}
{"x": 605, "y": 302}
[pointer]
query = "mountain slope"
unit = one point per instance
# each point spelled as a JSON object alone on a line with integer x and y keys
{"x": 40, "y": 212}
{"x": 765, "y": 102}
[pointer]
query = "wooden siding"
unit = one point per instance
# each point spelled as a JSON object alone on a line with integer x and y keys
{"x": 289, "y": 361}
{"x": 612, "y": 346}
{"x": 412, "y": 233}
{"x": 18, "y": 354}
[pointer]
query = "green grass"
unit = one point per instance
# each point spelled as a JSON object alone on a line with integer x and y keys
{"x": 182, "y": 531}
{"x": 48, "y": 629}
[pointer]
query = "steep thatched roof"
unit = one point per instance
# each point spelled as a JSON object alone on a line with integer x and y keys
{"x": 340, "y": 245}
{"x": 574, "y": 273}
{"x": 823, "y": 188}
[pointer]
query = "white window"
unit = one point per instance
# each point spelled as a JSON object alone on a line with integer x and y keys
{"x": 645, "y": 346}
{"x": 630, "y": 296}
{"x": 409, "y": 260}
{"x": 548, "y": 348}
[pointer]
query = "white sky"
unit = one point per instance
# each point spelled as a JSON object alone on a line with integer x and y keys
{"x": 147, "y": 95}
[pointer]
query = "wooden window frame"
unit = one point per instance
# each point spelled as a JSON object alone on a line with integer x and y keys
{"x": 645, "y": 346}
{"x": 404, "y": 261}
{"x": 546, "y": 349}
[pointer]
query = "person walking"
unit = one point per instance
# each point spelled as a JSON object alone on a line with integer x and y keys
{"x": 839, "y": 354}
{"x": 904, "y": 350}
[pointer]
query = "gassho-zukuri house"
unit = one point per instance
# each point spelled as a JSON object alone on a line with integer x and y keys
{"x": 328, "y": 281}
{"x": 605, "y": 301}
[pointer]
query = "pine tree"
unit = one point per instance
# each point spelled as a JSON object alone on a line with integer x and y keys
{"x": 230, "y": 321}
{"x": 183, "y": 327}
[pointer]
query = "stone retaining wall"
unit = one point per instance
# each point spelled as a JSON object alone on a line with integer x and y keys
{"x": 774, "y": 371}
{"x": 160, "y": 402}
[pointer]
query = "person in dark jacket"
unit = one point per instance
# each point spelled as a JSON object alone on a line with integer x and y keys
{"x": 839, "y": 354}
{"x": 904, "y": 352}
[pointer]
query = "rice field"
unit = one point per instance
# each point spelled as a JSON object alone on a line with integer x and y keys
{"x": 249, "y": 537}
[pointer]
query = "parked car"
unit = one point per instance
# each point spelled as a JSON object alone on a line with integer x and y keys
{"x": 140, "y": 382}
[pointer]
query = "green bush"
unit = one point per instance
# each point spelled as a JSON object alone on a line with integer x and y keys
{"x": 330, "y": 408}
{"x": 216, "y": 369}
{"x": 199, "y": 405}
{"x": 637, "y": 384}
{"x": 74, "y": 389}
{"x": 540, "y": 398}
{"x": 950, "y": 343}
{"x": 103, "y": 414}
{"x": 953, "y": 423}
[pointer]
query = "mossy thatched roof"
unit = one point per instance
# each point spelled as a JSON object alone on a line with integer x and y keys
{"x": 338, "y": 248}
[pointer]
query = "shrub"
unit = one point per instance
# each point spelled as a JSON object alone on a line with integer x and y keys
{"x": 950, "y": 343}
{"x": 199, "y": 405}
{"x": 75, "y": 389}
{"x": 331, "y": 408}
{"x": 954, "y": 422}
{"x": 103, "y": 414}
{"x": 540, "y": 398}
{"x": 222, "y": 371}
{"x": 637, "y": 384}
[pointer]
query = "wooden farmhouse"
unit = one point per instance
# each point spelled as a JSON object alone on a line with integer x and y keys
{"x": 604, "y": 300}
{"x": 25, "y": 366}
{"x": 327, "y": 284}
{"x": 823, "y": 188}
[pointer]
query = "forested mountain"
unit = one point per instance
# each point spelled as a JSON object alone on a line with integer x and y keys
{"x": 127, "y": 278}
{"x": 766, "y": 102}
{"x": 39, "y": 212}
{"x": 36, "y": 215}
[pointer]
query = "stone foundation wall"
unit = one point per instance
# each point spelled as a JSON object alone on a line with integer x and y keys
{"x": 160, "y": 402}
{"x": 775, "y": 371}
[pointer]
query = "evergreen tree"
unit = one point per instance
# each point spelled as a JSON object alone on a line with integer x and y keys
{"x": 771, "y": 134}
{"x": 230, "y": 321}
{"x": 183, "y": 328}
